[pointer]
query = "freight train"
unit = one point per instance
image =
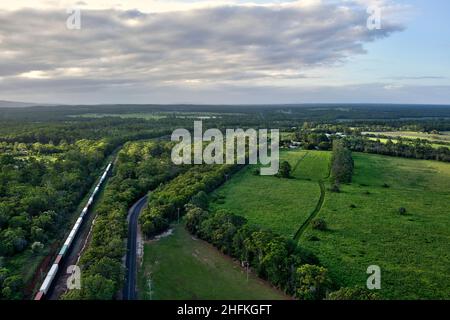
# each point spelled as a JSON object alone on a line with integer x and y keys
{"x": 48, "y": 281}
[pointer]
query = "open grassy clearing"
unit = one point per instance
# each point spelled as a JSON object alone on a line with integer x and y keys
{"x": 434, "y": 145}
{"x": 314, "y": 166}
{"x": 413, "y": 250}
{"x": 414, "y": 135}
{"x": 275, "y": 203}
{"x": 182, "y": 267}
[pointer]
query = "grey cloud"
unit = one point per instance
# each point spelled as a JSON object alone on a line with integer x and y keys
{"x": 216, "y": 45}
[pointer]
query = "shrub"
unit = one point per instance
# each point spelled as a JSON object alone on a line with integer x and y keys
{"x": 312, "y": 238}
{"x": 285, "y": 170}
{"x": 319, "y": 224}
{"x": 37, "y": 247}
{"x": 352, "y": 293}
{"x": 312, "y": 282}
{"x": 256, "y": 172}
{"x": 335, "y": 188}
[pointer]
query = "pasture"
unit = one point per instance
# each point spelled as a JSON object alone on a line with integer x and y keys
{"x": 276, "y": 203}
{"x": 182, "y": 267}
{"x": 366, "y": 227}
{"x": 442, "y": 137}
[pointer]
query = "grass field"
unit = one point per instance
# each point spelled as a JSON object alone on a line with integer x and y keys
{"x": 443, "y": 137}
{"x": 413, "y": 250}
{"x": 279, "y": 204}
{"x": 185, "y": 268}
{"x": 434, "y": 145}
{"x": 365, "y": 226}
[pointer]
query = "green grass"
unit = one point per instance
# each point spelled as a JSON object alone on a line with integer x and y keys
{"x": 434, "y": 145}
{"x": 275, "y": 203}
{"x": 182, "y": 267}
{"x": 413, "y": 250}
{"x": 314, "y": 166}
{"x": 415, "y": 135}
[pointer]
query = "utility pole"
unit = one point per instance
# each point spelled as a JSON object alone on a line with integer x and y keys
{"x": 246, "y": 263}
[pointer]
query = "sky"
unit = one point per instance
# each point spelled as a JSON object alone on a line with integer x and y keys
{"x": 224, "y": 51}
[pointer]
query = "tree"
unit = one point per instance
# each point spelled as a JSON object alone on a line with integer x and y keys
{"x": 12, "y": 287}
{"x": 341, "y": 163}
{"x": 285, "y": 170}
{"x": 194, "y": 218}
{"x": 97, "y": 287}
{"x": 200, "y": 200}
{"x": 37, "y": 247}
{"x": 312, "y": 282}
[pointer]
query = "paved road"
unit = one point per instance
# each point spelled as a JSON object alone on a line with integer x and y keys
{"x": 129, "y": 291}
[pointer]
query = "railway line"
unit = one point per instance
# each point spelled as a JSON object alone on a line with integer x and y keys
{"x": 69, "y": 252}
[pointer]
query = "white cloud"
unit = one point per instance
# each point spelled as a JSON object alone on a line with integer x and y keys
{"x": 200, "y": 44}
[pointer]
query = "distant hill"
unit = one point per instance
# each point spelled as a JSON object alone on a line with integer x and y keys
{"x": 19, "y": 104}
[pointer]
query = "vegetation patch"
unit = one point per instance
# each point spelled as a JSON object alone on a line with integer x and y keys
{"x": 182, "y": 267}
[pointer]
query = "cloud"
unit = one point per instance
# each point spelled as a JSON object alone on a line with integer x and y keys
{"x": 419, "y": 78}
{"x": 211, "y": 46}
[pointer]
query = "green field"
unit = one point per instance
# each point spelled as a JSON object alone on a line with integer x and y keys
{"x": 413, "y": 250}
{"x": 365, "y": 226}
{"x": 182, "y": 267}
{"x": 434, "y": 145}
{"x": 276, "y": 203}
{"x": 443, "y": 137}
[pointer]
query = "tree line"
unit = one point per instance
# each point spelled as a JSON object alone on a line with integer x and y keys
{"x": 342, "y": 164}
{"x": 167, "y": 202}
{"x": 140, "y": 166}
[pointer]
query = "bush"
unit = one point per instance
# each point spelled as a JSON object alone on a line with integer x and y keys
{"x": 285, "y": 170}
{"x": 256, "y": 172}
{"x": 312, "y": 282}
{"x": 37, "y": 247}
{"x": 319, "y": 224}
{"x": 335, "y": 188}
{"x": 312, "y": 238}
{"x": 352, "y": 293}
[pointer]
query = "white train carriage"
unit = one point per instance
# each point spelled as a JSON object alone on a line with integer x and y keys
{"x": 49, "y": 279}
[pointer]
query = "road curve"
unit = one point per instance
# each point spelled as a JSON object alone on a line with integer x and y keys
{"x": 129, "y": 291}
